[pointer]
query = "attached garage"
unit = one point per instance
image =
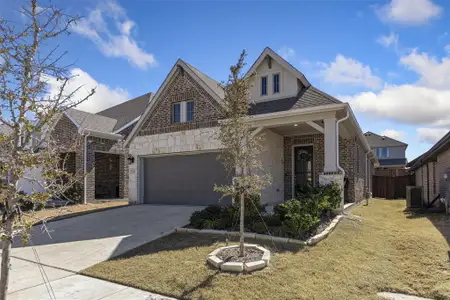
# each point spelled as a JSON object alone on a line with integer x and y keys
{"x": 183, "y": 179}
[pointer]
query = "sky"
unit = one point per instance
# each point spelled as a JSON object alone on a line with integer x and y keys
{"x": 390, "y": 59}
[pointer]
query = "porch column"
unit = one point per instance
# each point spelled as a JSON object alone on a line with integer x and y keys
{"x": 330, "y": 163}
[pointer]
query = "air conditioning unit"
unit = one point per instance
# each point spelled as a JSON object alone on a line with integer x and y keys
{"x": 413, "y": 197}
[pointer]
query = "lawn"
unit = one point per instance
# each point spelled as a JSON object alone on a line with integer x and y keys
{"x": 49, "y": 214}
{"x": 388, "y": 251}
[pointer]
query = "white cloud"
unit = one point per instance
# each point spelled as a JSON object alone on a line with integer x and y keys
{"x": 286, "y": 52}
{"x": 394, "y": 134}
{"x": 349, "y": 71}
{"x": 409, "y": 12}
{"x": 114, "y": 43}
{"x": 433, "y": 72}
{"x": 431, "y": 135}
{"x": 447, "y": 49}
{"x": 388, "y": 40}
{"x": 405, "y": 103}
{"x": 103, "y": 98}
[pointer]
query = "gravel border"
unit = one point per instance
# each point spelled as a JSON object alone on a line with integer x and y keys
{"x": 309, "y": 242}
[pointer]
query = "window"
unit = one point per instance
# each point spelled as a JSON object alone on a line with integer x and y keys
{"x": 276, "y": 83}
{"x": 183, "y": 112}
{"x": 190, "y": 111}
{"x": 176, "y": 113}
{"x": 382, "y": 152}
{"x": 263, "y": 85}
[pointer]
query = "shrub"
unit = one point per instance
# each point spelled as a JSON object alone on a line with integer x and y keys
{"x": 74, "y": 193}
{"x": 272, "y": 220}
{"x": 29, "y": 205}
{"x": 211, "y": 212}
{"x": 258, "y": 227}
{"x": 300, "y": 216}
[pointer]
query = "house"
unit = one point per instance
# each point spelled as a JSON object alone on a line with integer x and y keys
{"x": 311, "y": 137}
{"x": 100, "y": 153}
{"x": 432, "y": 172}
{"x": 391, "y": 153}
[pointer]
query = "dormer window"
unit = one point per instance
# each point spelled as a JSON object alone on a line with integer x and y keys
{"x": 276, "y": 83}
{"x": 183, "y": 112}
{"x": 264, "y": 86}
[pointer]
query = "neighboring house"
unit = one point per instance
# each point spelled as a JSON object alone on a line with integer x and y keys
{"x": 390, "y": 152}
{"x": 175, "y": 144}
{"x": 100, "y": 153}
{"x": 432, "y": 172}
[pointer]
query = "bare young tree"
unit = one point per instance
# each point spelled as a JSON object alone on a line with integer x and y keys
{"x": 29, "y": 58}
{"x": 241, "y": 146}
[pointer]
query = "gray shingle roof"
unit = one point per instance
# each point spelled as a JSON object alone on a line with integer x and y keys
{"x": 308, "y": 97}
{"x": 442, "y": 145}
{"x": 211, "y": 83}
{"x": 376, "y": 141}
{"x": 91, "y": 121}
{"x": 127, "y": 111}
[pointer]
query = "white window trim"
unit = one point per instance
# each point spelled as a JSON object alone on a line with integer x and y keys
{"x": 279, "y": 83}
{"x": 183, "y": 111}
{"x": 267, "y": 85}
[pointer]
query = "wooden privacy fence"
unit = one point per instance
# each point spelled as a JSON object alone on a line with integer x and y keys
{"x": 391, "y": 187}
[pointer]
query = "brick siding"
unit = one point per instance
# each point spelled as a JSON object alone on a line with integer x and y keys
{"x": 65, "y": 132}
{"x": 352, "y": 160}
{"x": 183, "y": 88}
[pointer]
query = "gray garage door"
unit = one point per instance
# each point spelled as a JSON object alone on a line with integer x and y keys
{"x": 184, "y": 179}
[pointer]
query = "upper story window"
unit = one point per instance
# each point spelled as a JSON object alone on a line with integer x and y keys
{"x": 264, "y": 86}
{"x": 183, "y": 112}
{"x": 382, "y": 152}
{"x": 189, "y": 111}
{"x": 276, "y": 83}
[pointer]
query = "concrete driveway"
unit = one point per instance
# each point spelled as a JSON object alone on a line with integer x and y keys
{"x": 77, "y": 243}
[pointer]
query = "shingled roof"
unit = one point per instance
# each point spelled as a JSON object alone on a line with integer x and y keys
{"x": 127, "y": 111}
{"x": 378, "y": 141}
{"x": 211, "y": 83}
{"x": 307, "y": 97}
{"x": 113, "y": 118}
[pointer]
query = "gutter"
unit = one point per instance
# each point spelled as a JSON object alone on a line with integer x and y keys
{"x": 100, "y": 134}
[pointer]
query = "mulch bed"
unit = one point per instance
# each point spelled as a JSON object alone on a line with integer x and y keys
{"x": 232, "y": 255}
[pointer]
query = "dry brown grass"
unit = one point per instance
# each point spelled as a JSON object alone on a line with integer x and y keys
{"x": 388, "y": 251}
{"x": 51, "y": 213}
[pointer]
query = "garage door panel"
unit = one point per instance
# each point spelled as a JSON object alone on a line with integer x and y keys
{"x": 184, "y": 179}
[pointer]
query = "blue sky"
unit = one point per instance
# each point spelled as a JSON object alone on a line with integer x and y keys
{"x": 390, "y": 58}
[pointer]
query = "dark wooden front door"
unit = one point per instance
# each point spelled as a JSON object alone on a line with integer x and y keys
{"x": 303, "y": 167}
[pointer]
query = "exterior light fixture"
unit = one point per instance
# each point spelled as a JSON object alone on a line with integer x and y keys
{"x": 295, "y": 125}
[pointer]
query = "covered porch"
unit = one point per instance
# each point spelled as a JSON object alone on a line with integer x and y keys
{"x": 302, "y": 148}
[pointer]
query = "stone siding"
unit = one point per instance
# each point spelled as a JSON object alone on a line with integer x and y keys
{"x": 187, "y": 141}
{"x": 183, "y": 88}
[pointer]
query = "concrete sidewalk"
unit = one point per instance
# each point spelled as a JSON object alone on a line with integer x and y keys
{"x": 27, "y": 283}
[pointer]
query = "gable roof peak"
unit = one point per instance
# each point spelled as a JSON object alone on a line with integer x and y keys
{"x": 284, "y": 63}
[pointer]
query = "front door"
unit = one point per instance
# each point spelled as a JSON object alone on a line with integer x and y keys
{"x": 303, "y": 168}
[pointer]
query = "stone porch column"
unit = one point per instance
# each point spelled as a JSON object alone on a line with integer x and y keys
{"x": 330, "y": 163}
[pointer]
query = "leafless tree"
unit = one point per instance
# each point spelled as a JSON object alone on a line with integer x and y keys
{"x": 29, "y": 58}
{"x": 241, "y": 146}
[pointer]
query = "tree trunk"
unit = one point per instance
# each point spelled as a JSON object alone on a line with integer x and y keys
{"x": 241, "y": 238}
{"x": 6, "y": 251}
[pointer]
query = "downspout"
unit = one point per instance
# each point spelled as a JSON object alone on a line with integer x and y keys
{"x": 85, "y": 167}
{"x": 337, "y": 142}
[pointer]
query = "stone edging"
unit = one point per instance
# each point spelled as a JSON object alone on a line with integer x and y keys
{"x": 239, "y": 267}
{"x": 310, "y": 242}
{"x": 324, "y": 234}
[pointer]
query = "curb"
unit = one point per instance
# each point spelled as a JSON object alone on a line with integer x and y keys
{"x": 310, "y": 242}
